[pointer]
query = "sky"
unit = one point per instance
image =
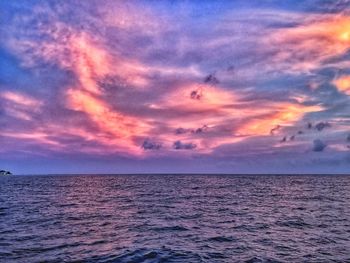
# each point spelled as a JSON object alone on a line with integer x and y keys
{"x": 104, "y": 86}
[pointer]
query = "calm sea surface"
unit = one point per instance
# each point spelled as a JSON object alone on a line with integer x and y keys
{"x": 175, "y": 218}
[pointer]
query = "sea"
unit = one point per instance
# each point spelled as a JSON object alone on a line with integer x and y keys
{"x": 175, "y": 218}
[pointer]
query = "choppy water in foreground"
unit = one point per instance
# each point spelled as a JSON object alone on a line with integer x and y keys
{"x": 182, "y": 218}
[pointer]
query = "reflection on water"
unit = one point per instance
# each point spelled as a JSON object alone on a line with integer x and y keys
{"x": 182, "y": 218}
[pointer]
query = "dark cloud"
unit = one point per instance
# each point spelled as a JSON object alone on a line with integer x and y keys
{"x": 181, "y": 131}
{"x": 319, "y": 145}
{"x": 322, "y": 125}
{"x": 178, "y": 145}
{"x": 149, "y": 145}
{"x": 211, "y": 79}
{"x": 196, "y": 94}
{"x": 284, "y": 139}
{"x": 202, "y": 129}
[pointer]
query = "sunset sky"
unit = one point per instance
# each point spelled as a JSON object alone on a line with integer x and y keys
{"x": 105, "y": 86}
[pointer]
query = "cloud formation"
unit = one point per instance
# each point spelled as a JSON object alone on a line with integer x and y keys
{"x": 222, "y": 80}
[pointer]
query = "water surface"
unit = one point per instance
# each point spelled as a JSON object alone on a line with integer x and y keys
{"x": 175, "y": 218}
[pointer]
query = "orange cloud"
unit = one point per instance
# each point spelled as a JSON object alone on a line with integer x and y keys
{"x": 121, "y": 128}
{"x": 89, "y": 62}
{"x": 304, "y": 47}
{"x": 278, "y": 114}
{"x": 92, "y": 61}
{"x": 210, "y": 106}
{"x": 216, "y": 107}
{"x": 343, "y": 84}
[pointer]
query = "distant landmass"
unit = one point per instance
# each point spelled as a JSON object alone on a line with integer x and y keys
{"x": 3, "y": 172}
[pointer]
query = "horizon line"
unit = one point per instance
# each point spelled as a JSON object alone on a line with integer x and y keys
{"x": 167, "y": 174}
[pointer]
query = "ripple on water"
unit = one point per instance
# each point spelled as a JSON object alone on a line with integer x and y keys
{"x": 170, "y": 228}
{"x": 155, "y": 218}
{"x": 150, "y": 255}
{"x": 261, "y": 260}
{"x": 222, "y": 239}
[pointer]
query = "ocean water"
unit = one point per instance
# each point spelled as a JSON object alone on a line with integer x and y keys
{"x": 175, "y": 218}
